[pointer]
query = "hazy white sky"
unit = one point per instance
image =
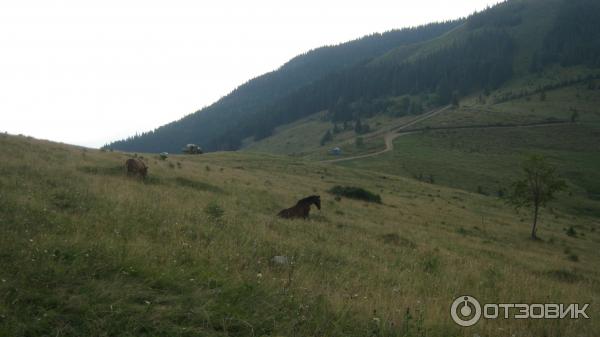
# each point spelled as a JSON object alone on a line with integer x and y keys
{"x": 88, "y": 72}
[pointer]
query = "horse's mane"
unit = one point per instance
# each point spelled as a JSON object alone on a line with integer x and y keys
{"x": 307, "y": 199}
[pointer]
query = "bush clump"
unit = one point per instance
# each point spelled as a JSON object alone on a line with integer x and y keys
{"x": 355, "y": 193}
{"x": 214, "y": 211}
{"x": 571, "y": 232}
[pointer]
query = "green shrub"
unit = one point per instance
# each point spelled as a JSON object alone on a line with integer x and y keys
{"x": 214, "y": 211}
{"x": 571, "y": 231}
{"x": 430, "y": 263}
{"x": 355, "y": 193}
{"x": 573, "y": 257}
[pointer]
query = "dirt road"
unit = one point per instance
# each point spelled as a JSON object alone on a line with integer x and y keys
{"x": 389, "y": 134}
{"x": 396, "y": 132}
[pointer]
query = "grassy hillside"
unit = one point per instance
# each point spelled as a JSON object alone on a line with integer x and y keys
{"x": 524, "y": 102}
{"x": 303, "y": 138}
{"x": 296, "y": 138}
{"x": 484, "y": 158}
{"x": 87, "y": 251}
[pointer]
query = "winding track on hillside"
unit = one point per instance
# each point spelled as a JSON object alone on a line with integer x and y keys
{"x": 392, "y": 133}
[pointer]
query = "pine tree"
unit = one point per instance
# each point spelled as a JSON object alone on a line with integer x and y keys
{"x": 327, "y": 137}
{"x": 358, "y": 127}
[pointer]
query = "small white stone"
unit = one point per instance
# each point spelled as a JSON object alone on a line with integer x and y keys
{"x": 279, "y": 259}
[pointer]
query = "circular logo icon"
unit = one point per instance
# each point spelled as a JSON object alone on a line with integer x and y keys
{"x": 465, "y": 311}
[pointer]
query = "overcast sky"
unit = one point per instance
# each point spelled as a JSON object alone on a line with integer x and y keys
{"x": 89, "y": 72}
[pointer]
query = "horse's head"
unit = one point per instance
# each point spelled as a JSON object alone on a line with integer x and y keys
{"x": 317, "y": 201}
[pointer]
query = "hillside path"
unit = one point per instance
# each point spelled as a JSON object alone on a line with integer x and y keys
{"x": 389, "y": 134}
{"x": 396, "y": 132}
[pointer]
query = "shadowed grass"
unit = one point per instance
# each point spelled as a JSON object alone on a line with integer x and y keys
{"x": 114, "y": 170}
{"x": 197, "y": 185}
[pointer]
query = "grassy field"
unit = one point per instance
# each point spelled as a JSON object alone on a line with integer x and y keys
{"x": 87, "y": 251}
{"x": 487, "y": 160}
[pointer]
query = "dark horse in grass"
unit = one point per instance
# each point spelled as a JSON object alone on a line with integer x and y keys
{"x": 302, "y": 208}
{"x": 135, "y": 167}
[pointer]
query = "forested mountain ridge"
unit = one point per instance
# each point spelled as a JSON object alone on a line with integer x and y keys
{"x": 429, "y": 65}
{"x": 210, "y": 125}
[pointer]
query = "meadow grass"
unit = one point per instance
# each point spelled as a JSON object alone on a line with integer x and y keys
{"x": 302, "y": 139}
{"x": 86, "y": 250}
{"x": 558, "y": 105}
{"x": 488, "y": 160}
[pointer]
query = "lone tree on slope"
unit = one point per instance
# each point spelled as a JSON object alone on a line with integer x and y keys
{"x": 327, "y": 137}
{"x": 538, "y": 186}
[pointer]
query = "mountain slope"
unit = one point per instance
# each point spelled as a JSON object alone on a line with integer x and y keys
{"x": 431, "y": 65}
{"x": 210, "y": 126}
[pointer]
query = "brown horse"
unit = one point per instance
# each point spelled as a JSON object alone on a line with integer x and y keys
{"x": 136, "y": 166}
{"x": 302, "y": 208}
